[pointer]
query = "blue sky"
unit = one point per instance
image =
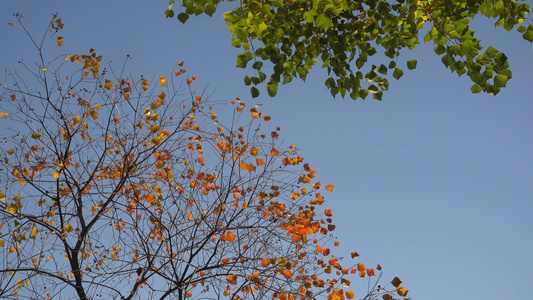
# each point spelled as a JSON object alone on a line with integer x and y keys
{"x": 433, "y": 183}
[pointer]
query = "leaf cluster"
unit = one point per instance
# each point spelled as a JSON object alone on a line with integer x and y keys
{"x": 342, "y": 36}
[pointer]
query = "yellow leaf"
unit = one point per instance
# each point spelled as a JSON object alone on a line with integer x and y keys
{"x": 254, "y": 112}
{"x": 108, "y": 84}
{"x": 154, "y": 128}
{"x": 10, "y": 23}
{"x": 12, "y": 209}
{"x": 56, "y": 174}
{"x": 36, "y": 135}
{"x": 159, "y": 164}
{"x": 34, "y": 148}
{"x": 60, "y": 41}
{"x": 401, "y": 291}
{"x": 11, "y": 249}
{"x": 34, "y": 261}
{"x": 162, "y": 81}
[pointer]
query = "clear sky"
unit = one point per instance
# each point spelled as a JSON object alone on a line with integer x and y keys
{"x": 433, "y": 183}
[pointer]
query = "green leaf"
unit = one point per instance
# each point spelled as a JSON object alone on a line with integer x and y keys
{"x": 257, "y": 65}
{"x": 210, "y": 10}
{"x": 323, "y": 22}
{"x": 236, "y": 42}
{"x": 247, "y": 80}
{"x": 255, "y": 92}
{"x": 382, "y": 69}
{"x": 169, "y": 13}
{"x": 476, "y": 88}
{"x": 439, "y": 49}
{"x": 363, "y": 94}
{"x": 397, "y": 73}
{"x": 330, "y": 82}
{"x": 183, "y": 17}
{"x": 272, "y": 89}
{"x": 377, "y": 96}
{"x": 411, "y": 64}
{"x": 528, "y": 35}
{"x": 500, "y": 80}
{"x": 241, "y": 61}
{"x": 491, "y": 52}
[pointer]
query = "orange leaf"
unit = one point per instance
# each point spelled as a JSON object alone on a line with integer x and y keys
{"x": 265, "y": 263}
{"x": 180, "y": 63}
{"x": 260, "y": 161}
{"x": 330, "y": 187}
{"x": 247, "y": 167}
{"x": 350, "y": 294}
{"x": 370, "y": 272}
{"x": 328, "y": 212}
{"x": 230, "y": 237}
{"x": 232, "y": 279}
{"x": 274, "y": 152}
{"x": 60, "y": 41}
{"x": 361, "y": 267}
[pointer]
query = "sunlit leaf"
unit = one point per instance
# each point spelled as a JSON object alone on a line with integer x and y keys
{"x": 162, "y": 81}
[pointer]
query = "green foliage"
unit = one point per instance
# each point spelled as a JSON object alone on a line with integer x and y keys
{"x": 341, "y": 35}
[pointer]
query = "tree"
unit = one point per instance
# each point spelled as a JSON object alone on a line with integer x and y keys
{"x": 123, "y": 189}
{"x": 343, "y": 36}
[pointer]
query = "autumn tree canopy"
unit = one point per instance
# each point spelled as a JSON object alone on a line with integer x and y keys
{"x": 343, "y": 36}
{"x": 121, "y": 188}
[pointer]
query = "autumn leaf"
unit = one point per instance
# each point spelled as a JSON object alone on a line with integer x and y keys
{"x": 396, "y": 282}
{"x": 68, "y": 228}
{"x": 60, "y": 41}
{"x": 401, "y": 291}
{"x": 232, "y": 279}
{"x": 247, "y": 167}
{"x": 255, "y": 114}
{"x": 265, "y": 263}
{"x": 162, "y": 81}
{"x": 345, "y": 282}
{"x": 350, "y": 294}
{"x": 12, "y": 209}
{"x": 330, "y": 187}
{"x": 328, "y": 212}
{"x": 274, "y": 152}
